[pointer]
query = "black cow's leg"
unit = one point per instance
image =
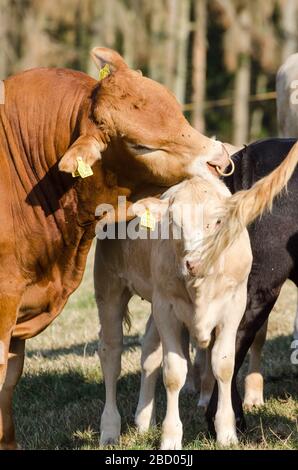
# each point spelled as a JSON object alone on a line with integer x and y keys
{"x": 251, "y": 322}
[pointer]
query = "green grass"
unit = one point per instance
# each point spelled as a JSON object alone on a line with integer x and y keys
{"x": 60, "y": 398}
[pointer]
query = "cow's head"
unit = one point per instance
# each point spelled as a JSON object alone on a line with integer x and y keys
{"x": 140, "y": 132}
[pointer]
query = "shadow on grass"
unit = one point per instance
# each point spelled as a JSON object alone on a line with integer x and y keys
{"x": 62, "y": 410}
{"x": 82, "y": 349}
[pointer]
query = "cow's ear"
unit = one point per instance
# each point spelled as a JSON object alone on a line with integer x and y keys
{"x": 155, "y": 207}
{"x": 85, "y": 149}
{"x": 103, "y": 56}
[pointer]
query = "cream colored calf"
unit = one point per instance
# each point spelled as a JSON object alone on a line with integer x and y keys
{"x": 169, "y": 273}
{"x": 190, "y": 283}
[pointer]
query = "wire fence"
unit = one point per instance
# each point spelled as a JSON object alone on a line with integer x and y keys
{"x": 269, "y": 95}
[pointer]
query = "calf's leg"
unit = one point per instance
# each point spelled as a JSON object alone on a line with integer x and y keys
{"x": 223, "y": 355}
{"x": 151, "y": 361}
{"x": 174, "y": 372}
{"x": 254, "y": 382}
{"x": 111, "y": 311}
{"x": 223, "y": 361}
{"x": 254, "y": 317}
{"x": 14, "y": 372}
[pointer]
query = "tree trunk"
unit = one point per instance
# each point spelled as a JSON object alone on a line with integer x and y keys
{"x": 157, "y": 43}
{"x": 170, "y": 57}
{"x": 102, "y": 29}
{"x": 4, "y": 39}
{"x": 131, "y": 33}
{"x": 258, "y": 113}
{"x": 108, "y": 24}
{"x": 241, "y": 101}
{"x": 289, "y": 26}
{"x": 182, "y": 43}
{"x": 199, "y": 56}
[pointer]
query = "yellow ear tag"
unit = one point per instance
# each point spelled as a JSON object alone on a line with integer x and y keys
{"x": 83, "y": 170}
{"x": 104, "y": 72}
{"x": 148, "y": 220}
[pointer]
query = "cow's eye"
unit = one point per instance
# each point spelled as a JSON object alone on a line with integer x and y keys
{"x": 141, "y": 149}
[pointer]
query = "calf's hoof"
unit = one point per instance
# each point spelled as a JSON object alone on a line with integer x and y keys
{"x": 110, "y": 429}
{"x": 171, "y": 443}
{"x": 109, "y": 439}
{"x": 227, "y": 438}
{"x": 171, "y": 438}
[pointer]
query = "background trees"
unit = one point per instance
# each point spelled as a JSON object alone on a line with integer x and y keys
{"x": 215, "y": 55}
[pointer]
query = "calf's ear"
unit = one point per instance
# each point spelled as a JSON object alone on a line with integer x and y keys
{"x": 86, "y": 148}
{"x": 103, "y": 56}
{"x": 156, "y": 207}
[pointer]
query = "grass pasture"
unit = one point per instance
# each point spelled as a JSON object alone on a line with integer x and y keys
{"x": 60, "y": 398}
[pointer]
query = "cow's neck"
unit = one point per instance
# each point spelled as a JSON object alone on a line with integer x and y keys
{"x": 52, "y": 212}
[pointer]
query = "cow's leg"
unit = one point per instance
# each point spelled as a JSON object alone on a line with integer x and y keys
{"x": 151, "y": 362}
{"x": 207, "y": 378}
{"x": 254, "y": 380}
{"x": 9, "y": 305}
{"x": 174, "y": 372}
{"x": 111, "y": 312}
{"x": 14, "y": 372}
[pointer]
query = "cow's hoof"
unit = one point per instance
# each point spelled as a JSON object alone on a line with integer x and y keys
{"x": 9, "y": 446}
{"x": 251, "y": 402}
{"x": 253, "y": 391}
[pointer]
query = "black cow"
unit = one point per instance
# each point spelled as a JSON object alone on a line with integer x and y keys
{"x": 274, "y": 241}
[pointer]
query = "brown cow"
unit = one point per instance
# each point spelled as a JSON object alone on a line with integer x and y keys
{"x": 129, "y": 129}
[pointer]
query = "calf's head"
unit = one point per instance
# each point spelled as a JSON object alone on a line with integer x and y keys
{"x": 195, "y": 211}
{"x": 192, "y": 211}
{"x": 136, "y": 127}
